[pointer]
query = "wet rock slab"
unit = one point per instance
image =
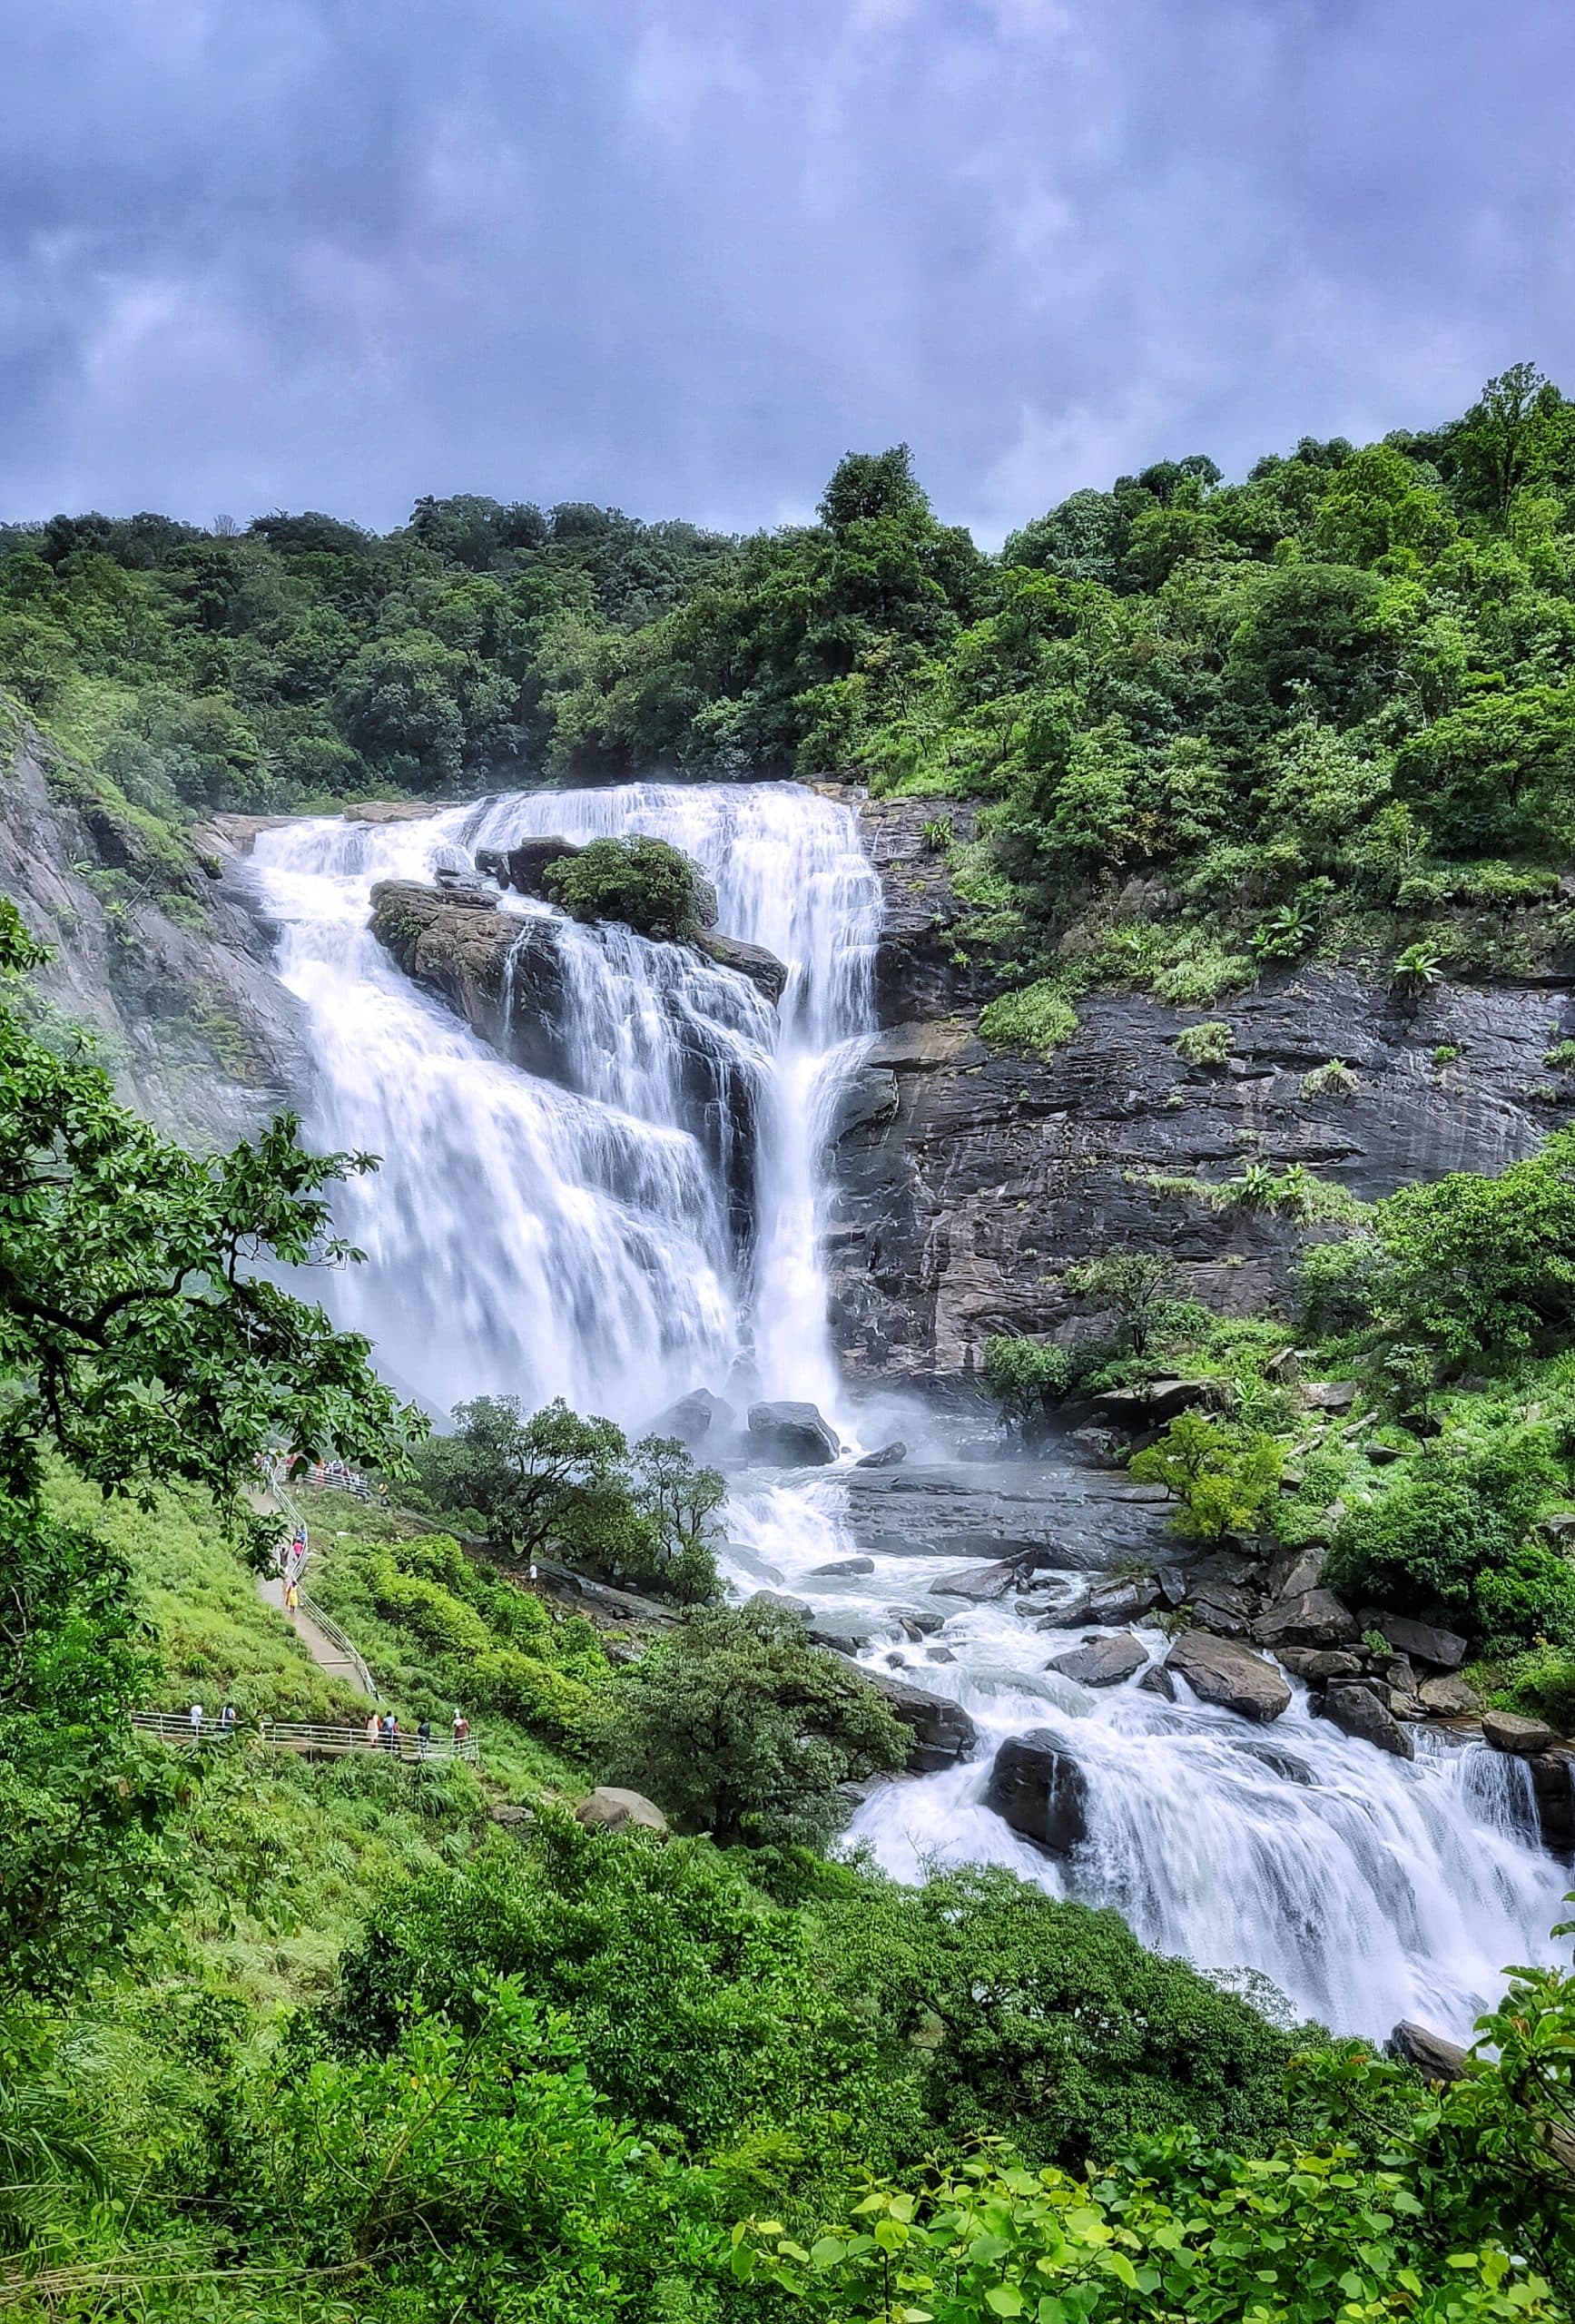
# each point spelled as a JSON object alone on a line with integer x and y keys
{"x": 1072, "y": 1519}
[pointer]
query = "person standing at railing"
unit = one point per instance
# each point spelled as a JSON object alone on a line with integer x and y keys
{"x": 227, "y": 1720}
{"x": 423, "y": 1739}
{"x": 374, "y": 1727}
{"x": 196, "y": 1716}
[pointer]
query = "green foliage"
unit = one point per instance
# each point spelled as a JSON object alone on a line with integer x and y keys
{"x": 143, "y": 1340}
{"x": 1026, "y": 1377}
{"x": 572, "y": 1488}
{"x": 1172, "y": 2231}
{"x": 740, "y": 1728}
{"x": 1224, "y": 1477}
{"x": 1038, "y": 1017}
{"x": 649, "y": 885}
{"x": 1560, "y": 1057}
{"x": 1209, "y": 1044}
{"x": 1335, "y": 1079}
{"x": 1137, "y": 1289}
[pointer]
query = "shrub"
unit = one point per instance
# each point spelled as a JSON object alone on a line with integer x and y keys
{"x": 740, "y": 1728}
{"x": 1038, "y": 1017}
{"x": 1483, "y": 1267}
{"x": 1225, "y": 1478}
{"x": 1209, "y": 1044}
{"x": 649, "y": 885}
{"x": 1136, "y": 1289}
{"x": 1540, "y": 1684}
{"x": 1026, "y": 1377}
{"x": 1560, "y": 1057}
{"x": 1445, "y": 1547}
{"x": 1335, "y": 1079}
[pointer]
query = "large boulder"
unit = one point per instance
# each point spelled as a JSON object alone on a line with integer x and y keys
{"x": 698, "y": 1418}
{"x": 1449, "y": 1697}
{"x": 1506, "y": 1730}
{"x": 1103, "y": 1662}
{"x": 1037, "y": 1787}
{"x": 1554, "y": 1782}
{"x": 524, "y": 865}
{"x": 1435, "y": 2058}
{"x": 983, "y": 1584}
{"x": 1356, "y": 1710}
{"x": 1104, "y": 1604}
{"x": 1422, "y": 1641}
{"x": 1313, "y": 1618}
{"x": 609, "y": 1808}
{"x": 1317, "y": 1665}
{"x": 452, "y": 942}
{"x": 1220, "y": 1671}
{"x": 767, "y": 974}
{"x": 1151, "y": 1404}
{"x": 943, "y": 1734}
{"x": 885, "y": 1456}
{"x": 789, "y": 1435}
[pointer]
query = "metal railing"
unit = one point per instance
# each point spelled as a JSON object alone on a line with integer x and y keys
{"x": 310, "y": 1607}
{"x": 299, "y": 1735}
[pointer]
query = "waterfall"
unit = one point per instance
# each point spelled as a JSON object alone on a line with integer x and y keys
{"x": 639, "y": 1214}
{"x": 575, "y": 1236}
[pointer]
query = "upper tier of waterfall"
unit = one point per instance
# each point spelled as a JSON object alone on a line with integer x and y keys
{"x": 570, "y": 1236}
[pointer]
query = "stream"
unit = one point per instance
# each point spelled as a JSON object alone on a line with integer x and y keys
{"x": 575, "y": 1236}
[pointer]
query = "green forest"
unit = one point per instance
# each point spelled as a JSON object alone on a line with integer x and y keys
{"x": 1207, "y": 724}
{"x": 288, "y": 2041}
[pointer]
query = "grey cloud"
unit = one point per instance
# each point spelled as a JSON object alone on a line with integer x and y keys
{"x": 681, "y": 253}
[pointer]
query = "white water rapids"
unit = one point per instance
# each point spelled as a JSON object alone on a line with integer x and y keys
{"x": 572, "y": 1236}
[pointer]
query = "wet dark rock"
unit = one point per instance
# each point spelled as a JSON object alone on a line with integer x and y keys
{"x": 1553, "y": 1785}
{"x": 1284, "y": 1764}
{"x": 982, "y": 1584}
{"x": 1316, "y": 1665}
{"x": 1102, "y": 1448}
{"x": 1172, "y": 1583}
{"x": 526, "y": 863}
{"x": 920, "y": 1625}
{"x": 943, "y": 1734}
{"x": 1506, "y": 1730}
{"x": 1104, "y": 1602}
{"x": 1356, "y": 1710}
{"x": 1158, "y": 1681}
{"x": 1313, "y": 1618}
{"x": 1107, "y": 1662}
{"x": 1422, "y": 1641}
{"x": 1219, "y": 1608}
{"x": 763, "y": 969}
{"x": 791, "y": 1435}
{"x": 1449, "y": 1697}
{"x": 454, "y": 945}
{"x": 888, "y": 1456}
{"x": 1045, "y": 1516}
{"x": 939, "y": 1654}
{"x": 1037, "y": 1787}
{"x": 846, "y": 1633}
{"x": 844, "y": 1565}
{"x": 696, "y": 1419}
{"x": 1220, "y": 1671}
{"x": 1435, "y": 2056}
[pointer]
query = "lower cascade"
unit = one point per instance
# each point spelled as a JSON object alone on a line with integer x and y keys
{"x": 576, "y": 1232}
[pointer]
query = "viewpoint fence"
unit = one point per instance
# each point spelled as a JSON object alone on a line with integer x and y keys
{"x": 299, "y": 1735}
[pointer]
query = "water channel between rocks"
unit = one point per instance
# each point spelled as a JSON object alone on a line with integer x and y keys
{"x": 575, "y": 1237}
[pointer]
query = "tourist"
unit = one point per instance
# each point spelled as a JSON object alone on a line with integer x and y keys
{"x": 424, "y": 1738}
{"x": 196, "y": 1722}
{"x": 374, "y": 1727}
{"x": 227, "y": 1720}
{"x": 391, "y": 1733}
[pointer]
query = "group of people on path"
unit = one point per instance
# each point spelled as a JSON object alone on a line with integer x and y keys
{"x": 227, "y": 1720}
{"x": 385, "y": 1733}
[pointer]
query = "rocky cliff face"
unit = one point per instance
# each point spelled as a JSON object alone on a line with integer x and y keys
{"x": 154, "y": 951}
{"x": 968, "y": 1177}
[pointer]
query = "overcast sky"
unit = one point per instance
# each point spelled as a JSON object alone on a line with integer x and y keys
{"x": 680, "y": 254}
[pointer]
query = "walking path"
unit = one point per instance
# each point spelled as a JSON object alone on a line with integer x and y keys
{"x": 323, "y": 1639}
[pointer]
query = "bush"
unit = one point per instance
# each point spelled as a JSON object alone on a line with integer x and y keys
{"x": 1026, "y": 1377}
{"x": 649, "y": 885}
{"x": 1335, "y": 1079}
{"x": 1136, "y": 1289}
{"x": 1540, "y": 1684}
{"x": 1209, "y": 1044}
{"x": 1039, "y": 1017}
{"x": 1483, "y": 1268}
{"x": 740, "y": 1728}
{"x": 1225, "y": 1478}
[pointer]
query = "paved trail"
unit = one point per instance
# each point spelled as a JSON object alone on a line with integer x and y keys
{"x": 323, "y": 1651}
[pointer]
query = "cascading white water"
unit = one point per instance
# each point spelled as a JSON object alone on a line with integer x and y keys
{"x": 1366, "y": 1889}
{"x": 526, "y": 1237}
{"x": 572, "y": 1234}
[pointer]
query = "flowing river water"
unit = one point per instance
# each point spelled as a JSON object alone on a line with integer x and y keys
{"x": 577, "y": 1233}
